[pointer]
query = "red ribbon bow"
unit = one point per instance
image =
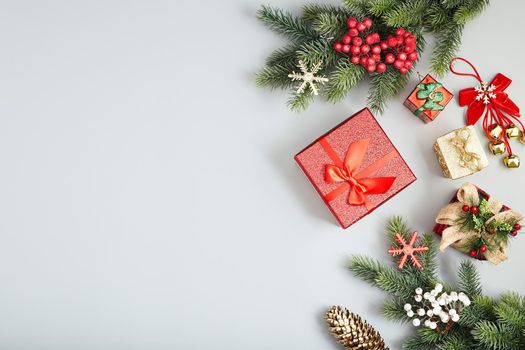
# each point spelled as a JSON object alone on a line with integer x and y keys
{"x": 489, "y": 101}
{"x": 358, "y": 182}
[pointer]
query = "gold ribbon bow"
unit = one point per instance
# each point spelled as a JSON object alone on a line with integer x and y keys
{"x": 458, "y": 236}
{"x": 467, "y": 159}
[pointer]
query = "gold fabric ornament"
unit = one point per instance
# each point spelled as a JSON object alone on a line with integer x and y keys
{"x": 457, "y": 236}
{"x": 351, "y": 331}
{"x": 512, "y": 161}
{"x": 497, "y": 148}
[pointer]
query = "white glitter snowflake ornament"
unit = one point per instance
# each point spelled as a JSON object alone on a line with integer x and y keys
{"x": 308, "y": 77}
{"x": 485, "y": 92}
{"x": 436, "y": 309}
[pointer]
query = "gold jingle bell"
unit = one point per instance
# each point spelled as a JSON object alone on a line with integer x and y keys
{"x": 497, "y": 148}
{"x": 512, "y": 132}
{"x": 522, "y": 137}
{"x": 512, "y": 161}
{"x": 496, "y": 131}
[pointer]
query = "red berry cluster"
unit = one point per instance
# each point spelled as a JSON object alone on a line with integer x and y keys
{"x": 368, "y": 50}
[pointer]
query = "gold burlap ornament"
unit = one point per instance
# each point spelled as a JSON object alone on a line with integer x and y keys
{"x": 353, "y": 332}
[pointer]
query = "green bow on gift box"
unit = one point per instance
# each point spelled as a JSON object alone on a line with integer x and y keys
{"x": 428, "y": 92}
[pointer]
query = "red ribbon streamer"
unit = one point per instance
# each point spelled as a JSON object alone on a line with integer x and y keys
{"x": 358, "y": 182}
{"x": 496, "y": 109}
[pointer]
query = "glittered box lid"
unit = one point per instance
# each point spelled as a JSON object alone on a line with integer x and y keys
{"x": 378, "y": 159}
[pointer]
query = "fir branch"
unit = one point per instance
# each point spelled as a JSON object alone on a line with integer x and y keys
{"x": 275, "y": 76}
{"x": 312, "y": 11}
{"x": 447, "y": 44}
{"x": 397, "y": 225}
{"x": 495, "y": 336}
{"x": 359, "y": 8}
{"x": 383, "y": 87}
{"x": 469, "y": 279}
{"x": 393, "y": 310}
{"x": 397, "y": 284}
{"x": 436, "y": 17}
{"x": 449, "y": 4}
{"x": 299, "y": 102}
{"x": 286, "y": 24}
{"x": 417, "y": 343}
{"x": 381, "y": 7}
{"x": 429, "y": 260}
{"x": 344, "y": 78}
{"x": 407, "y": 13}
{"x": 330, "y": 25}
{"x": 482, "y": 308}
{"x": 366, "y": 268}
{"x": 511, "y": 314}
{"x": 285, "y": 56}
{"x": 470, "y": 10}
{"x": 313, "y": 52}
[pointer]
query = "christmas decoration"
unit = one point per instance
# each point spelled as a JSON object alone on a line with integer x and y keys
{"x": 391, "y": 33}
{"x": 500, "y": 115}
{"x": 437, "y": 310}
{"x": 477, "y": 322}
{"x": 477, "y": 224}
{"x": 369, "y": 51}
{"x": 355, "y": 168}
{"x": 407, "y": 250}
{"x": 460, "y": 153}
{"x": 351, "y": 331}
{"x": 308, "y": 78}
{"x": 428, "y": 99}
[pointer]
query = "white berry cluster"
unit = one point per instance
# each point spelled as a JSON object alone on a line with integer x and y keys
{"x": 436, "y": 306}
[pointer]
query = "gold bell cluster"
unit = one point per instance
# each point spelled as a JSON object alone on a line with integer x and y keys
{"x": 498, "y": 146}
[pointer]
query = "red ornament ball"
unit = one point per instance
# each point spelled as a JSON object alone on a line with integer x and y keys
{"x": 483, "y": 248}
{"x": 466, "y": 208}
{"x": 473, "y": 253}
{"x": 351, "y": 22}
{"x": 474, "y": 209}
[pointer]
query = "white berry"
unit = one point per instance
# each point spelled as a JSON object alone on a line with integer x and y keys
{"x": 419, "y": 290}
{"x": 408, "y": 307}
{"x": 418, "y": 298}
{"x": 421, "y": 312}
{"x": 439, "y": 287}
{"x": 430, "y": 313}
{"x": 416, "y": 322}
{"x": 452, "y": 312}
{"x": 432, "y": 325}
{"x": 455, "y": 318}
{"x": 410, "y": 313}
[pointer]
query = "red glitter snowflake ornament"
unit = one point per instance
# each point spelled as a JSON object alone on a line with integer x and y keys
{"x": 407, "y": 250}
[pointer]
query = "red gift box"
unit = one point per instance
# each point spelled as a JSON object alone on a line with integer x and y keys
{"x": 355, "y": 168}
{"x": 417, "y": 104}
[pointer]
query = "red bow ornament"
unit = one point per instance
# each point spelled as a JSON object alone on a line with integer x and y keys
{"x": 357, "y": 181}
{"x": 500, "y": 114}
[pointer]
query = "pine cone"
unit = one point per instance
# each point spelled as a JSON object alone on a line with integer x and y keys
{"x": 352, "y": 332}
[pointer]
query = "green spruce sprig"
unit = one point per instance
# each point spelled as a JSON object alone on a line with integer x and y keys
{"x": 313, "y": 33}
{"x": 488, "y": 323}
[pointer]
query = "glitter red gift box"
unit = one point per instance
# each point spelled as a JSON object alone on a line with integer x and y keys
{"x": 355, "y": 168}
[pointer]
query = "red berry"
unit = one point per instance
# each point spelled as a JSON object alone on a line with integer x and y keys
{"x": 365, "y": 49}
{"x": 338, "y": 46}
{"x": 400, "y": 31}
{"x": 360, "y": 27}
{"x": 371, "y": 62}
{"x": 407, "y": 65}
{"x": 474, "y": 209}
{"x": 403, "y": 70}
{"x": 392, "y": 41}
{"x": 412, "y": 56}
{"x": 376, "y": 49}
{"x": 381, "y": 67}
{"x": 400, "y": 39}
{"x": 355, "y": 59}
{"x": 383, "y": 45}
{"x": 353, "y": 32}
{"x": 390, "y": 58}
{"x": 370, "y": 39}
{"x": 514, "y": 233}
{"x": 473, "y": 253}
{"x": 517, "y": 227}
{"x": 410, "y": 39}
{"x": 398, "y": 64}
{"x": 364, "y": 61}
{"x": 367, "y": 22}
{"x": 371, "y": 68}
{"x": 351, "y": 22}
{"x": 376, "y": 57}
{"x": 346, "y": 48}
{"x": 483, "y": 248}
{"x": 466, "y": 208}
{"x": 409, "y": 49}
{"x": 357, "y": 41}
{"x": 347, "y": 39}
{"x": 355, "y": 50}
{"x": 402, "y": 56}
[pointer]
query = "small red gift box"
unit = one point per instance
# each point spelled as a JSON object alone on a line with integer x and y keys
{"x": 355, "y": 168}
{"x": 428, "y": 99}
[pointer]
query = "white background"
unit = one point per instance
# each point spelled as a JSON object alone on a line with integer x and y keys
{"x": 148, "y": 193}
